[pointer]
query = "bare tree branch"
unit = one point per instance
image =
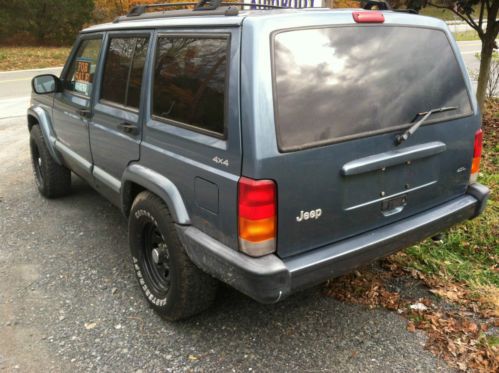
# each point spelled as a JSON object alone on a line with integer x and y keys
{"x": 466, "y": 18}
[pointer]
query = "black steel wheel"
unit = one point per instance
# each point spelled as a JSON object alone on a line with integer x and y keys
{"x": 172, "y": 284}
{"x": 156, "y": 260}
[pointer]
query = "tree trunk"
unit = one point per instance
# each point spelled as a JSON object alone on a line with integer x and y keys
{"x": 485, "y": 60}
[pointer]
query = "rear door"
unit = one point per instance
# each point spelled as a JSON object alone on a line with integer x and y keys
{"x": 115, "y": 131}
{"x": 341, "y": 96}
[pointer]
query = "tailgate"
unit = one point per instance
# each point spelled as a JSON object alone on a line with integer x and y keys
{"x": 341, "y": 95}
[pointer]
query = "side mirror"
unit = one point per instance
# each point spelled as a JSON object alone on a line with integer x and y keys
{"x": 45, "y": 84}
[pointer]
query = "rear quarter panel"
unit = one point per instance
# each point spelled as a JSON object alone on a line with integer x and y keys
{"x": 208, "y": 188}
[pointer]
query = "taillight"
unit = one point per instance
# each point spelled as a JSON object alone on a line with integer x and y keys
{"x": 257, "y": 216}
{"x": 368, "y": 17}
{"x": 477, "y": 154}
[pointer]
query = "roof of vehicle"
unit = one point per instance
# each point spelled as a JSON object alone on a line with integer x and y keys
{"x": 186, "y": 18}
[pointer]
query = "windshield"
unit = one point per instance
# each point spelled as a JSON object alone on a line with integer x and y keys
{"x": 338, "y": 83}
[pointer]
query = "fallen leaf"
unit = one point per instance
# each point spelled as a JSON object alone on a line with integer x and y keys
{"x": 462, "y": 366}
{"x": 418, "y": 307}
{"x": 411, "y": 327}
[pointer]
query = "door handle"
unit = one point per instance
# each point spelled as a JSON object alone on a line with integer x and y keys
{"x": 84, "y": 113}
{"x": 128, "y": 128}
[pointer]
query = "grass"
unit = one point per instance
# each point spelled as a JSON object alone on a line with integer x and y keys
{"x": 466, "y": 35}
{"x": 18, "y": 58}
{"x": 469, "y": 253}
{"x": 492, "y": 340}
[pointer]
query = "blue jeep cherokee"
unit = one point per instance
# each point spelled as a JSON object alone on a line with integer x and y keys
{"x": 270, "y": 149}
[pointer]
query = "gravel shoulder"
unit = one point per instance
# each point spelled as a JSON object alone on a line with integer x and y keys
{"x": 69, "y": 301}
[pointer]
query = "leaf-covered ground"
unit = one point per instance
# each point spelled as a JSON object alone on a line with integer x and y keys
{"x": 457, "y": 333}
{"x": 459, "y": 305}
{"x": 21, "y": 58}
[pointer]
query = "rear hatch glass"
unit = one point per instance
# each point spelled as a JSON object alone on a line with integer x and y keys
{"x": 337, "y": 83}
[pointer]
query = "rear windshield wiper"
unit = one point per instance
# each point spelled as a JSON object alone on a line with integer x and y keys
{"x": 401, "y": 138}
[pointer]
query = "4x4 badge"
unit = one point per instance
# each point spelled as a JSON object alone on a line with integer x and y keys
{"x": 222, "y": 161}
{"x": 306, "y": 215}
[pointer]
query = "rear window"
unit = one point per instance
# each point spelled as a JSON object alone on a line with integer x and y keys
{"x": 190, "y": 80}
{"x": 337, "y": 83}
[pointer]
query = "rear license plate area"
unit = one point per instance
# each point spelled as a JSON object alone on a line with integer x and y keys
{"x": 393, "y": 205}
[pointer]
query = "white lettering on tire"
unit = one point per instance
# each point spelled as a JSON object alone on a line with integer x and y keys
{"x": 152, "y": 298}
{"x": 141, "y": 213}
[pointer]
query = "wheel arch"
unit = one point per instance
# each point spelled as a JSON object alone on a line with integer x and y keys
{"x": 39, "y": 116}
{"x": 138, "y": 178}
{"x": 32, "y": 121}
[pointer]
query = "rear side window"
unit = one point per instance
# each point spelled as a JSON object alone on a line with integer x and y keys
{"x": 80, "y": 76}
{"x": 337, "y": 83}
{"x": 189, "y": 82}
{"x": 123, "y": 70}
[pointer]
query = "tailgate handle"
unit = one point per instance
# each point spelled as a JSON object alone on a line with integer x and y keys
{"x": 392, "y": 158}
{"x": 394, "y": 205}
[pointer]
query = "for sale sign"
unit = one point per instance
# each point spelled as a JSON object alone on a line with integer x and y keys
{"x": 82, "y": 71}
{"x": 83, "y": 77}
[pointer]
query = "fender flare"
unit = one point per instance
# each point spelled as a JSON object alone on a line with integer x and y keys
{"x": 157, "y": 184}
{"x": 45, "y": 123}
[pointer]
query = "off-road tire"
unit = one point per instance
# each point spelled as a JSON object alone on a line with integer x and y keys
{"x": 52, "y": 179}
{"x": 189, "y": 290}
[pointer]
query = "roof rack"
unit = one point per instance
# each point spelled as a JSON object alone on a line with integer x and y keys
{"x": 382, "y": 5}
{"x": 379, "y": 5}
{"x": 214, "y": 7}
{"x": 202, "y": 5}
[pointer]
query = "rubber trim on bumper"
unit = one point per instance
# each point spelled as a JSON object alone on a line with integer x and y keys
{"x": 481, "y": 193}
{"x": 264, "y": 279}
{"x": 269, "y": 279}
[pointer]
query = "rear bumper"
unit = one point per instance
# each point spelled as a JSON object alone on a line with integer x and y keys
{"x": 269, "y": 279}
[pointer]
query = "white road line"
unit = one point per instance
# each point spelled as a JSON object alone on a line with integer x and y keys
{"x": 13, "y": 116}
{"x": 15, "y": 80}
{"x": 30, "y": 70}
{"x": 6, "y": 100}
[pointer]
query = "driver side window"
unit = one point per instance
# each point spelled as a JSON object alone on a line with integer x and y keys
{"x": 80, "y": 76}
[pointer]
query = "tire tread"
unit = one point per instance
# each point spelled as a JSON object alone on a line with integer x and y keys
{"x": 56, "y": 178}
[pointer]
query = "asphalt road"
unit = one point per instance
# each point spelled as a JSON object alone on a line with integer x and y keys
{"x": 15, "y": 90}
{"x": 69, "y": 300}
{"x": 469, "y": 49}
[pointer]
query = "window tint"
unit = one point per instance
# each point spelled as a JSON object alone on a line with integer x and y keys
{"x": 80, "y": 77}
{"x": 332, "y": 84}
{"x": 123, "y": 70}
{"x": 136, "y": 73}
{"x": 189, "y": 81}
